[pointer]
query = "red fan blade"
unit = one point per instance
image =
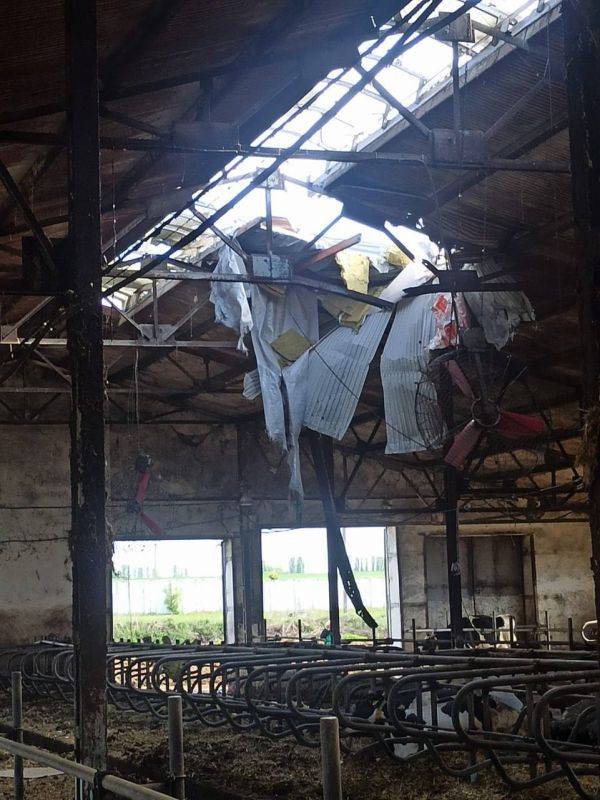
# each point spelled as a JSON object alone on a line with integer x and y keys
{"x": 459, "y": 379}
{"x": 151, "y": 524}
{"x": 142, "y": 486}
{"x": 464, "y": 444}
{"x": 514, "y": 425}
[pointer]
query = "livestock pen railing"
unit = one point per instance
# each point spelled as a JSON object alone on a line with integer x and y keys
{"x": 101, "y": 781}
{"x": 528, "y": 716}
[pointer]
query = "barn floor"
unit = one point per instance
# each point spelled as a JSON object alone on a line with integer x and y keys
{"x": 228, "y": 766}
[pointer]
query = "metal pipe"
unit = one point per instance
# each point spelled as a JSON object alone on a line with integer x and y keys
{"x": 17, "y": 719}
{"x": 330, "y": 758}
{"x": 118, "y": 786}
{"x": 176, "y": 751}
{"x": 280, "y": 155}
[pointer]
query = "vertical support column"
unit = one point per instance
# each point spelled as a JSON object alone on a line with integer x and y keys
{"x": 392, "y": 583}
{"x": 176, "y": 749}
{"x": 331, "y": 763}
{"x": 413, "y": 578}
{"x": 17, "y": 721}
{"x": 250, "y": 536}
{"x": 88, "y": 539}
{"x": 452, "y": 555}
{"x": 229, "y": 604}
{"x": 582, "y": 57}
{"x": 248, "y": 557}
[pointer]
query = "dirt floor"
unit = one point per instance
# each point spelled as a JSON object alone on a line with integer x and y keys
{"x": 230, "y": 766}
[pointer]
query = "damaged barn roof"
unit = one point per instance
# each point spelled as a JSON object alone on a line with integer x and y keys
{"x": 163, "y": 345}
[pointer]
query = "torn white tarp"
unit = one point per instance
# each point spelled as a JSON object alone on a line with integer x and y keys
{"x": 414, "y": 274}
{"x": 499, "y": 313}
{"x": 324, "y": 385}
{"x": 296, "y": 380}
{"x": 230, "y": 299}
{"x": 404, "y": 359}
{"x": 273, "y": 315}
{"x": 337, "y": 370}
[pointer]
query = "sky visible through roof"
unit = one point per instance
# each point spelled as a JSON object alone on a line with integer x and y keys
{"x": 411, "y": 77}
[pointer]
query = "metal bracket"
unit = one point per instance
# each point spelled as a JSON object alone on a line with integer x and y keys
{"x": 163, "y": 332}
{"x": 460, "y": 30}
{"x": 273, "y": 266}
{"x": 466, "y": 146}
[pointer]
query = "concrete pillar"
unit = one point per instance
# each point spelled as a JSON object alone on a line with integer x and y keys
{"x": 229, "y": 605}
{"x": 392, "y": 583}
{"x": 411, "y": 557}
{"x": 251, "y": 573}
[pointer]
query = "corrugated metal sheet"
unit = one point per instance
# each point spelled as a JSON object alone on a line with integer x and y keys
{"x": 402, "y": 363}
{"x": 338, "y": 367}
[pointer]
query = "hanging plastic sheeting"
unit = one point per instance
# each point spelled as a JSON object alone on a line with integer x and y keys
{"x": 230, "y": 299}
{"x": 323, "y": 386}
{"x": 295, "y": 379}
{"x": 404, "y": 359}
{"x": 415, "y": 274}
{"x": 498, "y": 313}
{"x": 338, "y": 367}
{"x": 274, "y": 314}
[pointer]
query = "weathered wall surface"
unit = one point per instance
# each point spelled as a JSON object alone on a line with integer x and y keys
{"x": 35, "y": 571}
{"x": 199, "y": 475}
{"x": 563, "y": 574}
{"x": 561, "y": 583}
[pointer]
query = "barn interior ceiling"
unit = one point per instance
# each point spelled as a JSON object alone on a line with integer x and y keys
{"x": 356, "y": 158}
{"x": 331, "y": 258}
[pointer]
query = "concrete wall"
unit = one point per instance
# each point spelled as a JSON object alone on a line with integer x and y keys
{"x": 199, "y": 475}
{"x": 559, "y": 583}
{"x": 563, "y": 574}
{"x": 35, "y": 571}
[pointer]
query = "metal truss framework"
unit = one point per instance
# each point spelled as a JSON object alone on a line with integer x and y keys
{"x": 158, "y": 339}
{"x": 80, "y": 309}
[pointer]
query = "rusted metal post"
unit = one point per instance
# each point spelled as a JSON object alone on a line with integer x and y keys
{"x": 582, "y": 58}
{"x": 176, "y": 752}
{"x": 451, "y": 494}
{"x": 571, "y": 636}
{"x": 414, "y": 634}
{"x": 83, "y": 264}
{"x": 330, "y": 758}
{"x": 17, "y": 721}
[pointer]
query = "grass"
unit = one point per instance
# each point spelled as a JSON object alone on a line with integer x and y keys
{"x": 208, "y": 625}
{"x": 204, "y": 625}
{"x": 285, "y": 623}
